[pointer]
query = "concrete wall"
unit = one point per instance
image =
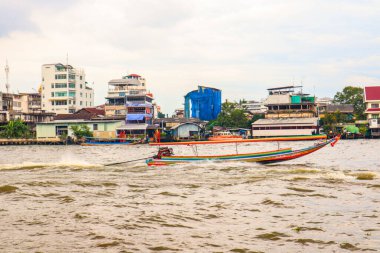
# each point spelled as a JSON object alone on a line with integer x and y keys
{"x": 280, "y": 132}
{"x": 104, "y": 128}
{"x": 278, "y": 99}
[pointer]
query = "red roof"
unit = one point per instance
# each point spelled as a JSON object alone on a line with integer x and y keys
{"x": 84, "y": 114}
{"x": 134, "y": 75}
{"x": 372, "y": 93}
{"x": 95, "y": 111}
{"x": 373, "y": 110}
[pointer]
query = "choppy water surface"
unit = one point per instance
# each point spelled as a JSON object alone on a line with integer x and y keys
{"x": 61, "y": 199}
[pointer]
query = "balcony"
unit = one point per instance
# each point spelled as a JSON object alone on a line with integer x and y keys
{"x": 59, "y": 98}
{"x": 374, "y": 123}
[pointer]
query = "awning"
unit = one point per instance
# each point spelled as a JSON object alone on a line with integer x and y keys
{"x": 133, "y": 127}
{"x": 135, "y": 116}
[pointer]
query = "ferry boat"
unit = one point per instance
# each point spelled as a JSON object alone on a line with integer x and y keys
{"x": 225, "y": 135}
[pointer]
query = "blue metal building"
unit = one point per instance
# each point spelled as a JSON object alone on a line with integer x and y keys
{"x": 204, "y": 103}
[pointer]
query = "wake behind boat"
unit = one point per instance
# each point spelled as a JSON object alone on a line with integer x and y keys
{"x": 165, "y": 155}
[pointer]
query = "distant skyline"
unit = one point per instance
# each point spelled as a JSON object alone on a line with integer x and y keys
{"x": 242, "y": 47}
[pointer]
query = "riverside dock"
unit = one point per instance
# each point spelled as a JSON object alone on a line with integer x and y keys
{"x": 46, "y": 141}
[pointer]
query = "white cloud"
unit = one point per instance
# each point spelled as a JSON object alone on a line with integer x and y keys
{"x": 242, "y": 47}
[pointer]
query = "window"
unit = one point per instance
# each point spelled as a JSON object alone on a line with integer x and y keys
{"x": 60, "y": 85}
{"x": 81, "y": 86}
{"x": 375, "y": 116}
{"x": 80, "y": 77}
{"x": 52, "y": 85}
{"x": 71, "y": 85}
{"x": 69, "y": 102}
{"x": 86, "y": 103}
{"x": 95, "y": 127}
{"x": 52, "y": 102}
{"x": 72, "y": 93}
{"x": 61, "y": 94}
{"x": 374, "y": 105}
{"x": 63, "y": 102}
{"x": 60, "y": 76}
{"x": 80, "y": 103}
{"x": 71, "y": 76}
{"x": 81, "y": 95}
{"x": 61, "y": 130}
{"x": 52, "y": 94}
{"x": 86, "y": 95}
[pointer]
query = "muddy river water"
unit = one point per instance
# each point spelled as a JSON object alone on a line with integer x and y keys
{"x": 62, "y": 199}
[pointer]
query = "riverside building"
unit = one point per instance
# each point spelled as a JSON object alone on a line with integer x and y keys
{"x": 372, "y": 104}
{"x": 129, "y": 99}
{"x": 64, "y": 89}
{"x": 290, "y": 112}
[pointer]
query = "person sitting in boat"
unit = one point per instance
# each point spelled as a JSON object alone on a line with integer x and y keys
{"x": 164, "y": 151}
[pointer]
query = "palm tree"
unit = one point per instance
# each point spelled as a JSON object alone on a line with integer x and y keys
{"x": 15, "y": 129}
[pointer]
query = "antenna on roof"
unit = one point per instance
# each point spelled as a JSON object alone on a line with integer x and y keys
{"x": 7, "y": 86}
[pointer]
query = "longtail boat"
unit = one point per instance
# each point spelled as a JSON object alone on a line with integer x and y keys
{"x": 165, "y": 155}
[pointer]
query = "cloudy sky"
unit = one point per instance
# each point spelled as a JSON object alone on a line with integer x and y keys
{"x": 240, "y": 46}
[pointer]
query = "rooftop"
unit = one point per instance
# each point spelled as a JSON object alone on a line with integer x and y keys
{"x": 82, "y": 114}
{"x": 284, "y": 88}
{"x": 372, "y": 93}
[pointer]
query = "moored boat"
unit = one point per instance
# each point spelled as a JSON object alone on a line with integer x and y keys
{"x": 91, "y": 141}
{"x": 224, "y": 136}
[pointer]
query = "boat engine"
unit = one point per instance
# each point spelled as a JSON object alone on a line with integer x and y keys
{"x": 164, "y": 151}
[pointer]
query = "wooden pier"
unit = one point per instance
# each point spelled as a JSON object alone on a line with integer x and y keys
{"x": 45, "y": 141}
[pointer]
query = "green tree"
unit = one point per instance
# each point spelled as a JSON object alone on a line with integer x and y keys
{"x": 352, "y": 95}
{"x": 160, "y": 115}
{"x": 231, "y": 116}
{"x": 81, "y": 131}
{"x": 330, "y": 120}
{"x": 15, "y": 129}
{"x": 257, "y": 117}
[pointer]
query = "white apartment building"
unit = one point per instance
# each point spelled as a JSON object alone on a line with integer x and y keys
{"x": 64, "y": 89}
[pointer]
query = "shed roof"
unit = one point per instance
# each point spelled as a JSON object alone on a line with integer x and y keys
{"x": 187, "y": 123}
